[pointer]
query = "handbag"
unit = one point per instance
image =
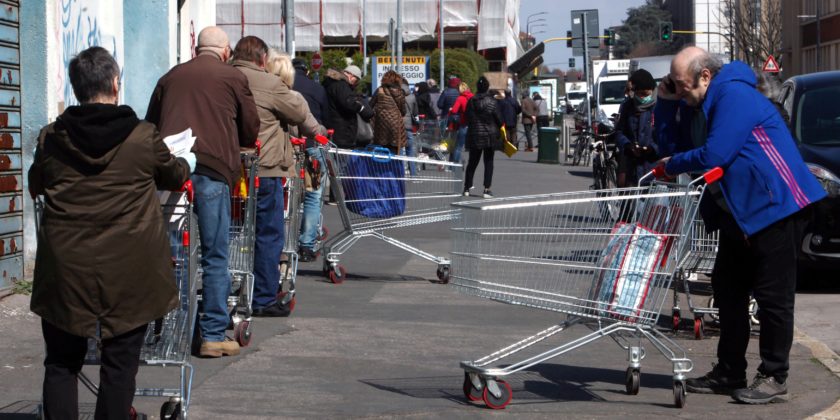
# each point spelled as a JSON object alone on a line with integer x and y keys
{"x": 508, "y": 147}
{"x": 364, "y": 131}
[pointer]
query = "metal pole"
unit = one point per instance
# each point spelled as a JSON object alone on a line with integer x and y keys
{"x": 399, "y": 37}
{"x": 818, "y": 35}
{"x": 391, "y": 31}
{"x": 586, "y": 72}
{"x": 290, "y": 27}
{"x": 364, "y": 37}
{"x": 442, "y": 54}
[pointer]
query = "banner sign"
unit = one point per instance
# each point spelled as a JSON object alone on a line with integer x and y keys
{"x": 414, "y": 69}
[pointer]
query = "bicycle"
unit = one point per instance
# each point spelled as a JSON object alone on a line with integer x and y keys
{"x": 581, "y": 151}
{"x": 604, "y": 170}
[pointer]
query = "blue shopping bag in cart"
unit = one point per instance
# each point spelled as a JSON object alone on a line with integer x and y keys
{"x": 374, "y": 184}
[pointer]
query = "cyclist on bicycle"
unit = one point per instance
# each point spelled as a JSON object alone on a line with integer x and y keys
{"x": 634, "y": 130}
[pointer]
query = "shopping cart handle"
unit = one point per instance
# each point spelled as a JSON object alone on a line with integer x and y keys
{"x": 330, "y": 132}
{"x": 298, "y": 141}
{"x": 321, "y": 140}
{"x": 258, "y": 146}
{"x": 421, "y": 116}
{"x": 380, "y": 154}
{"x": 659, "y": 171}
{"x": 188, "y": 188}
{"x": 713, "y": 175}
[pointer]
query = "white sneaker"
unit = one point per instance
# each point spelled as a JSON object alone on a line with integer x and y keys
{"x": 487, "y": 193}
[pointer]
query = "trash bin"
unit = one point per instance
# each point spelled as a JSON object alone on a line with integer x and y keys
{"x": 558, "y": 119}
{"x": 549, "y": 145}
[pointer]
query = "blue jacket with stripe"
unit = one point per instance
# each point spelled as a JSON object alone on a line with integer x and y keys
{"x": 765, "y": 178}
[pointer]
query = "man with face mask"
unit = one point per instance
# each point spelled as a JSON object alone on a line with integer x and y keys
{"x": 760, "y": 207}
{"x": 634, "y": 130}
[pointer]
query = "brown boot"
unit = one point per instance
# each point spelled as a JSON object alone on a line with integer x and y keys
{"x": 219, "y": 348}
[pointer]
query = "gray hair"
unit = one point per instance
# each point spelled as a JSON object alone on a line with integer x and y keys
{"x": 280, "y": 64}
{"x": 768, "y": 85}
{"x": 704, "y": 61}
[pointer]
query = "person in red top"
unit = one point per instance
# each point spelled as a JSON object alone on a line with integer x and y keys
{"x": 458, "y": 112}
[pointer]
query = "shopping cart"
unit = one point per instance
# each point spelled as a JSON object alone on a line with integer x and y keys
{"x": 561, "y": 252}
{"x": 241, "y": 248}
{"x": 429, "y": 140}
{"x": 695, "y": 261}
{"x": 168, "y": 340}
{"x": 376, "y": 192}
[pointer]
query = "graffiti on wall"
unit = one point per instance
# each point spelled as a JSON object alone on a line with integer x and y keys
{"x": 83, "y": 24}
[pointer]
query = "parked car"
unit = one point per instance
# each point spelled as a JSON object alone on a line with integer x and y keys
{"x": 813, "y": 103}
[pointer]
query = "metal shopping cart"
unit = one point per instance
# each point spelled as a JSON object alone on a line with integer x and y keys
{"x": 241, "y": 248}
{"x": 562, "y": 252}
{"x": 168, "y": 340}
{"x": 376, "y": 192}
{"x": 695, "y": 261}
{"x": 429, "y": 140}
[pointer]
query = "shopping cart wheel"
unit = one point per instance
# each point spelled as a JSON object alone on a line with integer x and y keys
{"x": 505, "y": 395}
{"x": 242, "y": 333}
{"x": 290, "y": 303}
{"x": 679, "y": 394}
{"x": 170, "y": 410}
{"x": 338, "y": 274}
{"x": 632, "y": 380}
{"x": 471, "y": 392}
{"x": 699, "y": 326}
{"x": 676, "y": 317}
{"x": 443, "y": 273}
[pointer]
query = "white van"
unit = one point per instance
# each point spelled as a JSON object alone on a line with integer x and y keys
{"x": 610, "y": 81}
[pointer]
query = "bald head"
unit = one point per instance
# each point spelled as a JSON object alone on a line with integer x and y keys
{"x": 214, "y": 39}
{"x": 685, "y": 57}
{"x": 692, "y": 71}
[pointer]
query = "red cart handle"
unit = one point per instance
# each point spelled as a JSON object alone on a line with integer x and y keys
{"x": 713, "y": 175}
{"x": 321, "y": 139}
{"x": 188, "y": 188}
{"x": 258, "y": 146}
{"x": 298, "y": 141}
{"x": 330, "y": 132}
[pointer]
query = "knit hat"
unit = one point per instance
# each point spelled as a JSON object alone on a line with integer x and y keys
{"x": 454, "y": 82}
{"x": 355, "y": 71}
{"x": 299, "y": 64}
{"x": 483, "y": 85}
{"x": 642, "y": 80}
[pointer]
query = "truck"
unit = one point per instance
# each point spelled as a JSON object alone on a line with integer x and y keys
{"x": 659, "y": 66}
{"x": 609, "y": 82}
{"x": 575, "y": 94}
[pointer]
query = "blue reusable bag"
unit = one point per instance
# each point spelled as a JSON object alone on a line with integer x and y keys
{"x": 374, "y": 184}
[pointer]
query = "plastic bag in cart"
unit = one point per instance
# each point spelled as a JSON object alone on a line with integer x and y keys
{"x": 627, "y": 267}
{"x": 374, "y": 184}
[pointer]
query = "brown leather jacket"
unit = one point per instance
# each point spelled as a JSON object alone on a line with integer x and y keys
{"x": 389, "y": 108}
{"x": 103, "y": 249}
{"x": 213, "y": 99}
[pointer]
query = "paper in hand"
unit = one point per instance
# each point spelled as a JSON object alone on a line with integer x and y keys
{"x": 180, "y": 144}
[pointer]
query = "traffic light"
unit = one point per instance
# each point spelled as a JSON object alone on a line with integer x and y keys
{"x": 569, "y": 40}
{"x": 571, "y": 62}
{"x": 609, "y": 37}
{"x": 666, "y": 31}
{"x": 528, "y": 61}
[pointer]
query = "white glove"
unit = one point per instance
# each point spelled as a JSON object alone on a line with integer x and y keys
{"x": 190, "y": 158}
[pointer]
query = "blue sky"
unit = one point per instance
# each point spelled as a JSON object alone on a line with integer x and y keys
{"x": 558, "y": 21}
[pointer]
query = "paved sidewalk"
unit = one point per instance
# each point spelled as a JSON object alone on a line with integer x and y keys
{"x": 387, "y": 343}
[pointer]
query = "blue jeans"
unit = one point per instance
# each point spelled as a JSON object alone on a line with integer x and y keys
{"x": 459, "y": 145}
{"x": 312, "y": 203}
{"x": 410, "y": 151}
{"x": 212, "y": 206}
{"x": 269, "y": 241}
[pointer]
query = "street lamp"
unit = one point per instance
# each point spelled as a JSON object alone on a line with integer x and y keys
{"x": 528, "y": 19}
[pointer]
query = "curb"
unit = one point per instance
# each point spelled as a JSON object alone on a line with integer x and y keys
{"x": 827, "y": 358}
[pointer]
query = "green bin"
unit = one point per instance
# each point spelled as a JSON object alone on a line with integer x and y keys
{"x": 558, "y": 119}
{"x": 549, "y": 145}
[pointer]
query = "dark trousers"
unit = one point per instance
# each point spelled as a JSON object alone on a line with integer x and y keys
{"x": 766, "y": 265}
{"x": 527, "y": 128}
{"x": 65, "y": 356}
{"x": 270, "y": 238}
{"x": 542, "y": 121}
{"x": 472, "y": 165}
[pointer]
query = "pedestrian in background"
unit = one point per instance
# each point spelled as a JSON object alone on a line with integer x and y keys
{"x": 542, "y": 111}
{"x": 510, "y": 109}
{"x": 344, "y": 104}
{"x": 103, "y": 260}
{"x": 279, "y": 108}
{"x": 313, "y": 92}
{"x": 634, "y": 130}
{"x": 434, "y": 96}
{"x": 529, "y": 118}
{"x": 483, "y": 135}
{"x": 460, "y": 110}
{"x": 445, "y": 103}
{"x": 424, "y": 101}
{"x": 760, "y": 207}
{"x": 389, "y": 108}
{"x": 214, "y": 100}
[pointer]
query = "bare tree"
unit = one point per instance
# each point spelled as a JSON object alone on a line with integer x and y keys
{"x": 755, "y": 28}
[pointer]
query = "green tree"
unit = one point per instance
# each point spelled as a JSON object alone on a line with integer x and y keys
{"x": 639, "y": 34}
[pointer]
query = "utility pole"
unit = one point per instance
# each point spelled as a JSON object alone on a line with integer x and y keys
{"x": 819, "y": 17}
{"x": 290, "y": 27}
{"x": 442, "y": 55}
{"x": 364, "y": 37}
{"x": 586, "y": 72}
{"x": 399, "y": 37}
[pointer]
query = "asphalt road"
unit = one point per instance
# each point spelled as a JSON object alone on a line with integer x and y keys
{"x": 387, "y": 343}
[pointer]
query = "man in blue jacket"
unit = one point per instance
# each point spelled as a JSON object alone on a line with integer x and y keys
{"x": 760, "y": 206}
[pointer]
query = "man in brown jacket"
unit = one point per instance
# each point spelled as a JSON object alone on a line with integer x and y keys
{"x": 279, "y": 108}
{"x": 213, "y": 99}
{"x": 103, "y": 255}
{"x": 529, "y": 117}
